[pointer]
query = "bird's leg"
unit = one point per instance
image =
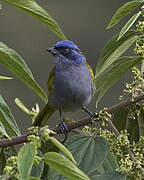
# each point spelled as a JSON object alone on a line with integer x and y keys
{"x": 62, "y": 124}
{"x": 91, "y": 114}
{"x": 63, "y": 127}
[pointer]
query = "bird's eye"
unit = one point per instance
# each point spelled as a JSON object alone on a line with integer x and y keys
{"x": 65, "y": 50}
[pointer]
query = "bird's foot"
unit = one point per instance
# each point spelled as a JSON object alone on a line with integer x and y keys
{"x": 63, "y": 127}
{"x": 63, "y": 130}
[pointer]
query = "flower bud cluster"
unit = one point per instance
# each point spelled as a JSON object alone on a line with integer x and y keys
{"x": 118, "y": 146}
{"x": 11, "y": 167}
{"x": 140, "y": 27}
{"x": 102, "y": 116}
{"x": 90, "y": 130}
{"x": 35, "y": 139}
{"x": 139, "y": 48}
{"x": 136, "y": 87}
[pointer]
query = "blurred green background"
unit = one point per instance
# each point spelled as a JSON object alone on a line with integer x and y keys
{"x": 83, "y": 22}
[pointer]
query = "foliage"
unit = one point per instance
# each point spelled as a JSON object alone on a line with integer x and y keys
{"x": 97, "y": 153}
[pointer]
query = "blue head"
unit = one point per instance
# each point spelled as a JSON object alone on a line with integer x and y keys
{"x": 67, "y": 49}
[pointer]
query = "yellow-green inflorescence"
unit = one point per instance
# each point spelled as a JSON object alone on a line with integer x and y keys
{"x": 37, "y": 160}
{"x": 45, "y": 132}
{"x": 34, "y": 136}
{"x": 140, "y": 27}
{"x": 103, "y": 116}
{"x": 136, "y": 87}
{"x": 100, "y": 119}
{"x": 119, "y": 145}
{"x": 11, "y": 167}
{"x": 139, "y": 48}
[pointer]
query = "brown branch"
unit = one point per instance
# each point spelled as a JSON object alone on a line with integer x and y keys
{"x": 23, "y": 139}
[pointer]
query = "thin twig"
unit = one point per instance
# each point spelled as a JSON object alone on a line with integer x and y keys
{"x": 22, "y": 139}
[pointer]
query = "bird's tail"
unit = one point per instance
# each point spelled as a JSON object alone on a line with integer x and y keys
{"x": 43, "y": 116}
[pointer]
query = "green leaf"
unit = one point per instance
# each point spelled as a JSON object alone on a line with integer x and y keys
{"x": 62, "y": 148}
{"x": 22, "y": 106}
{"x": 47, "y": 146}
{"x": 31, "y": 8}
{"x": 3, "y": 131}
{"x": 110, "y": 163}
{"x": 114, "y": 49}
{"x": 25, "y": 160}
{"x": 16, "y": 65}
{"x": 129, "y": 24}
{"x": 120, "y": 118}
{"x": 5, "y": 78}
{"x": 64, "y": 166}
{"x": 88, "y": 151}
{"x": 0, "y": 6}
{"x": 123, "y": 11}
{"x": 37, "y": 169}
{"x": 92, "y": 159}
{"x": 7, "y": 118}
{"x": 114, "y": 72}
{"x": 34, "y": 178}
{"x": 109, "y": 176}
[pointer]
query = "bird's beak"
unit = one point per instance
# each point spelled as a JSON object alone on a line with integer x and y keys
{"x": 52, "y": 51}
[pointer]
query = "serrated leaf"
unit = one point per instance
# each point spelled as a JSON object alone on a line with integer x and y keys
{"x": 16, "y": 65}
{"x": 123, "y": 11}
{"x": 114, "y": 49}
{"x": 64, "y": 166}
{"x": 7, "y": 118}
{"x": 62, "y": 148}
{"x": 31, "y": 8}
{"x": 114, "y": 72}
{"x": 109, "y": 176}
{"x": 120, "y": 118}
{"x": 5, "y": 78}
{"x": 129, "y": 24}
{"x": 25, "y": 160}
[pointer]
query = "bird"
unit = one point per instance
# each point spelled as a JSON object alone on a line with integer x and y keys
{"x": 70, "y": 83}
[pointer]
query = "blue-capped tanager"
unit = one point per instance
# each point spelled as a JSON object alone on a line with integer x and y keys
{"x": 70, "y": 83}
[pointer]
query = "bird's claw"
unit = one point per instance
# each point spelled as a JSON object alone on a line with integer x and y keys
{"x": 63, "y": 130}
{"x": 63, "y": 127}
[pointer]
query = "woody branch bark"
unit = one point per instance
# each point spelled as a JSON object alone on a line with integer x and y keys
{"x": 23, "y": 139}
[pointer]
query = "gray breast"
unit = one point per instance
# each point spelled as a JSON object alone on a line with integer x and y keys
{"x": 72, "y": 87}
